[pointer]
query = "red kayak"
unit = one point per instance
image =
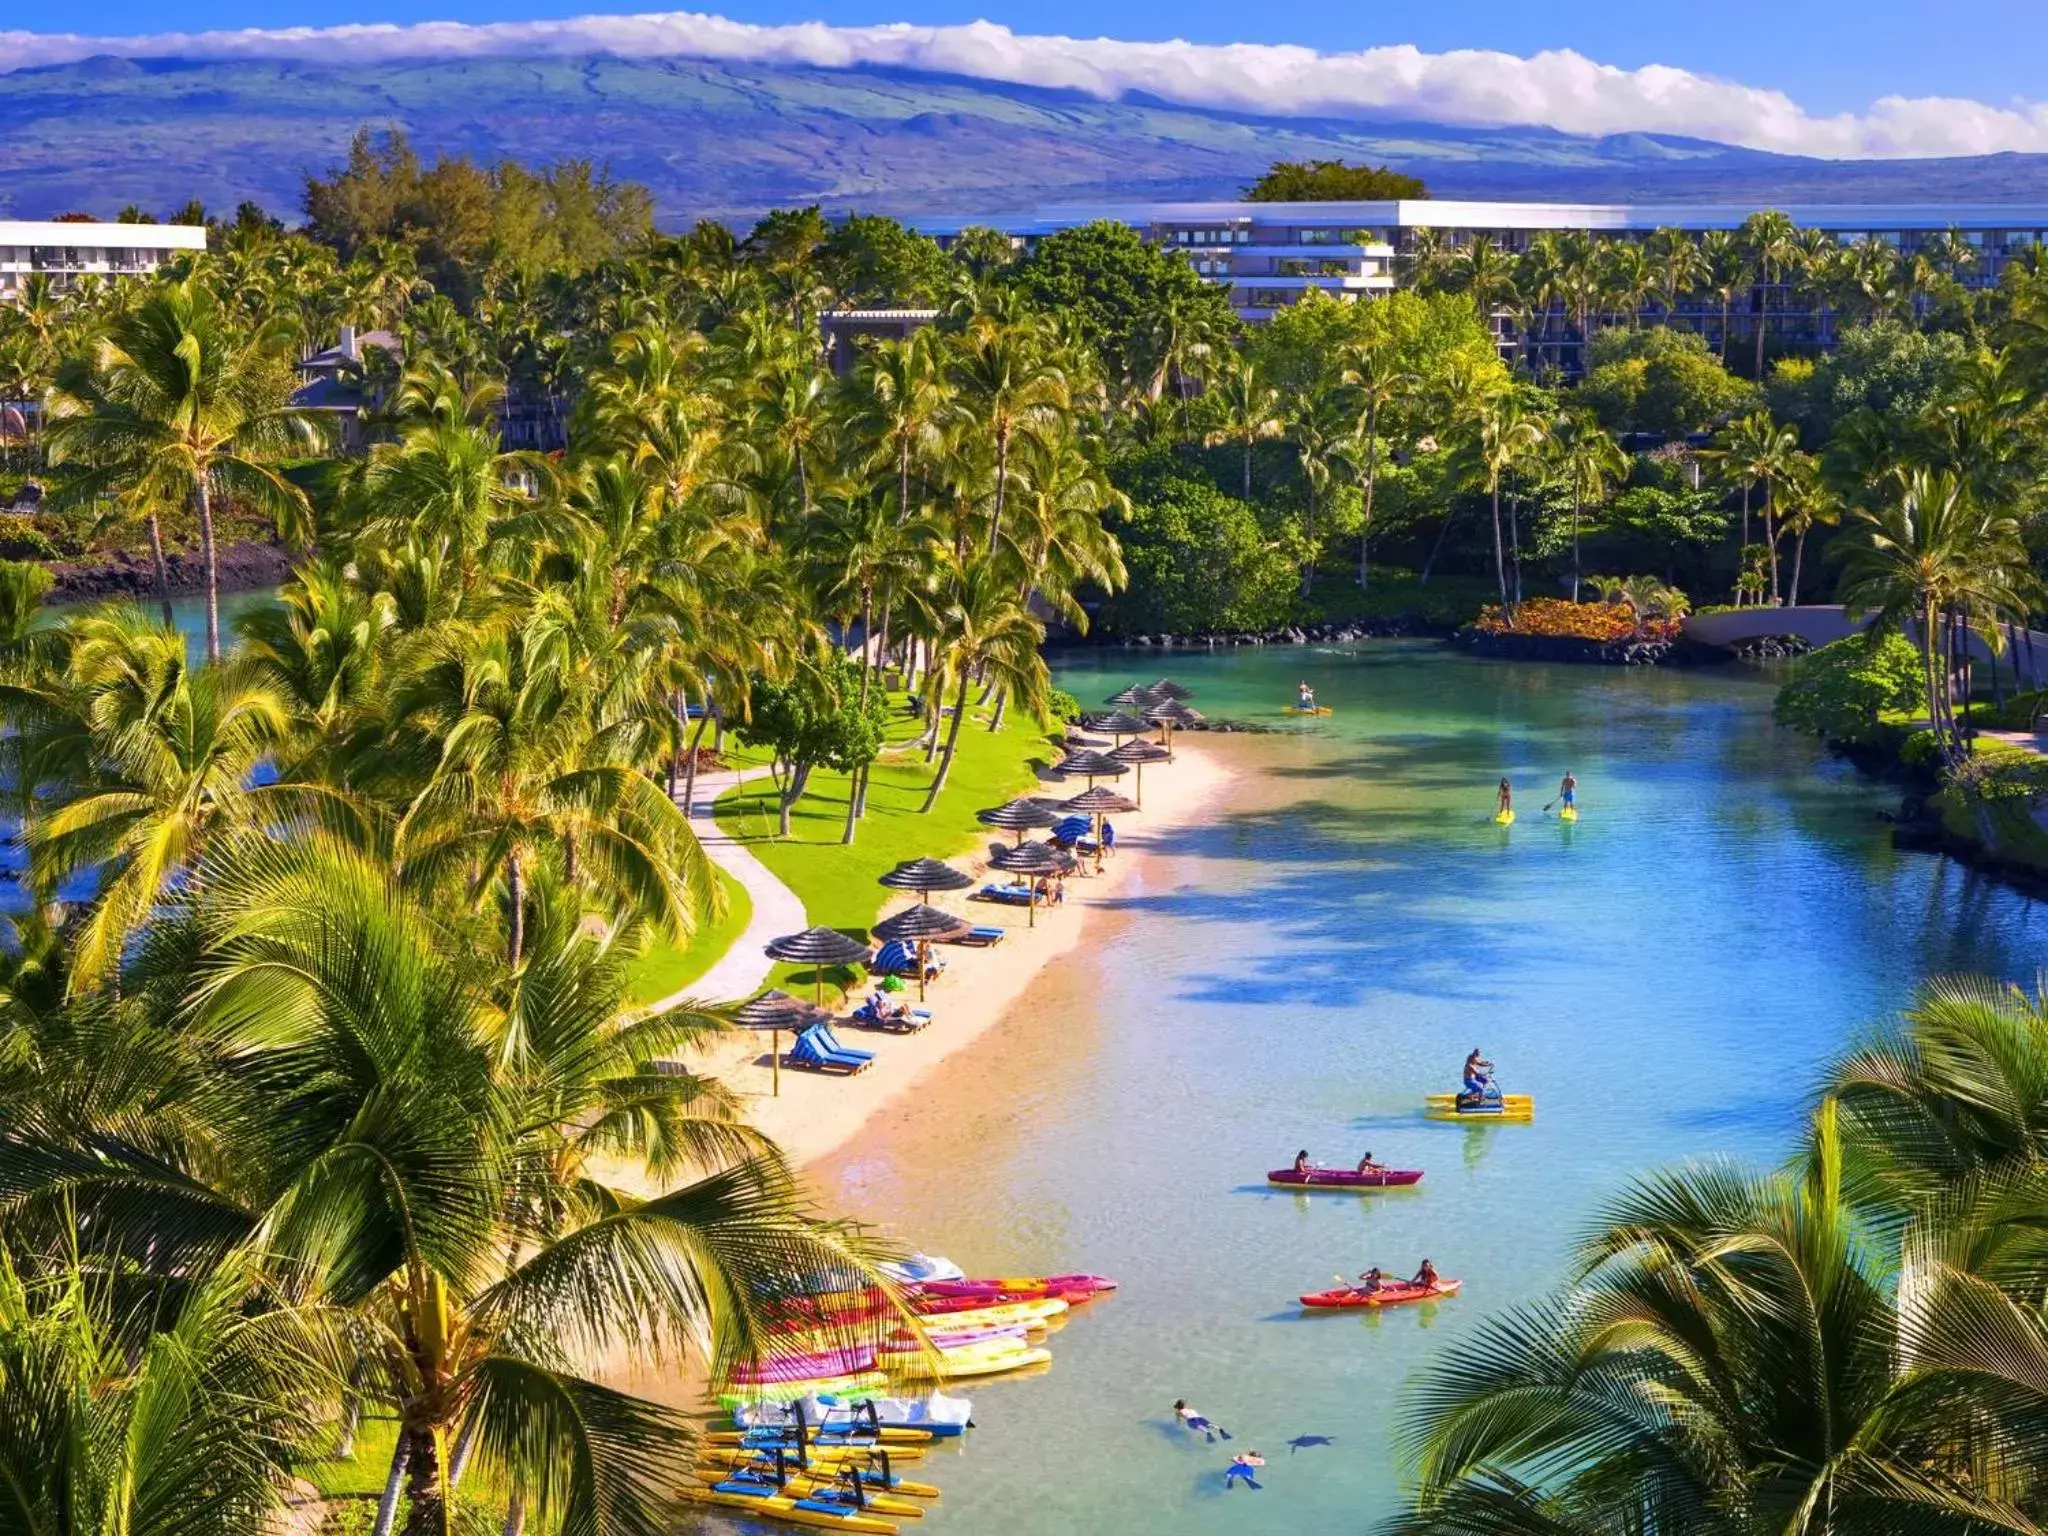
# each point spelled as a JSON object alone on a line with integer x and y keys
{"x": 1344, "y": 1178}
{"x": 1391, "y": 1293}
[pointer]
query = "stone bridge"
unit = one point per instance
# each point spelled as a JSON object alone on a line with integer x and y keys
{"x": 2025, "y": 657}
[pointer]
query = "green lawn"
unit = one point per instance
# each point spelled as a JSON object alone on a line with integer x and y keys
{"x": 665, "y": 970}
{"x": 837, "y": 882}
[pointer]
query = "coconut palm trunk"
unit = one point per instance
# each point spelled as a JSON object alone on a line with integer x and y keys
{"x": 163, "y": 571}
{"x": 952, "y": 742}
{"x": 203, "y": 495}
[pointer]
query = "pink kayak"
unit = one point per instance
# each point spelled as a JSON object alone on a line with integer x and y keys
{"x": 1344, "y": 1178}
{"x": 1069, "y": 1288}
{"x": 817, "y": 1363}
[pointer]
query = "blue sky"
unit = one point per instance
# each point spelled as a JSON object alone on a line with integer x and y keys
{"x": 1830, "y": 55}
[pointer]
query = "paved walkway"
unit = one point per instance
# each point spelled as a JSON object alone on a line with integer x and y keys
{"x": 741, "y": 970}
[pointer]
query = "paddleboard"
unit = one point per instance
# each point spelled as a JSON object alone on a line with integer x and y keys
{"x": 1505, "y": 818}
{"x": 1569, "y": 813}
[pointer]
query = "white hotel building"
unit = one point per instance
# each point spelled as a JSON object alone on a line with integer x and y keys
{"x": 1269, "y": 254}
{"x": 68, "y": 250}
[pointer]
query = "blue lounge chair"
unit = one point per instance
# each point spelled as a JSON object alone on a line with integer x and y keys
{"x": 811, "y": 1055}
{"x": 981, "y": 938}
{"x": 822, "y": 1033}
{"x": 896, "y": 958}
{"x": 1009, "y": 895}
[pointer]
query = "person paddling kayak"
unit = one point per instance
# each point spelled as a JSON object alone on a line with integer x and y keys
{"x": 1426, "y": 1275}
{"x": 1301, "y": 1162}
{"x": 1306, "y": 696}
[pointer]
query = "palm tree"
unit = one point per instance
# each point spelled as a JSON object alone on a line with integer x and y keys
{"x": 1727, "y": 273}
{"x": 533, "y": 761}
{"x": 1010, "y": 385}
{"x": 1771, "y": 241}
{"x": 1629, "y": 277}
{"x": 1482, "y": 270}
{"x": 1805, "y": 501}
{"x": 1376, "y": 382}
{"x": 1316, "y": 421}
{"x": 985, "y": 628}
{"x": 177, "y": 408}
{"x": 1584, "y": 456}
{"x": 1757, "y": 451}
{"x": 1926, "y": 557}
{"x": 903, "y": 404}
{"x": 135, "y": 761}
{"x": 446, "y": 487}
{"x": 1733, "y": 1359}
{"x": 1247, "y": 409}
{"x": 1501, "y": 434}
{"x": 1679, "y": 265}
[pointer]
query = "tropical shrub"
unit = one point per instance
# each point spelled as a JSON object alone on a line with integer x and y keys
{"x": 1556, "y": 618}
{"x": 1842, "y": 691}
{"x": 1200, "y": 562}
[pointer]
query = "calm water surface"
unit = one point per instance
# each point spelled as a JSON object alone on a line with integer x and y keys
{"x": 1665, "y": 978}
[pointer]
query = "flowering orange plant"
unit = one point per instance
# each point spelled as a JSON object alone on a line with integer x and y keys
{"x": 1554, "y": 617}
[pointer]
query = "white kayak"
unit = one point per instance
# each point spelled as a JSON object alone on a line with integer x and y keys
{"x": 922, "y": 1269}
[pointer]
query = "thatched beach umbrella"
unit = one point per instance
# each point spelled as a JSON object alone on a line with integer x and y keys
{"x": 1170, "y": 716}
{"x": 776, "y": 1011}
{"x": 920, "y": 925}
{"x": 818, "y": 948}
{"x": 1034, "y": 861}
{"x": 1024, "y": 814}
{"x": 1167, "y": 688}
{"x": 1138, "y": 754}
{"x": 1091, "y": 765}
{"x": 1120, "y": 723}
{"x": 1136, "y": 697}
{"x": 925, "y": 876}
{"x": 1098, "y": 803}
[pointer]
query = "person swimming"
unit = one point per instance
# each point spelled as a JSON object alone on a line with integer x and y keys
{"x": 1196, "y": 1421}
{"x": 1241, "y": 1468}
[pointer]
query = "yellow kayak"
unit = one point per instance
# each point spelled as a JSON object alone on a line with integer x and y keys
{"x": 1505, "y": 818}
{"x": 956, "y": 1365}
{"x": 779, "y": 1507}
{"x": 1513, "y": 1106}
{"x": 1296, "y": 709}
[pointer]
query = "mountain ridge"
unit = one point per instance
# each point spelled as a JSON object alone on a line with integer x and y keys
{"x": 729, "y": 140}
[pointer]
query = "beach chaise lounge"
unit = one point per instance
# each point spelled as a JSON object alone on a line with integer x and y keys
{"x": 822, "y": 1033}
{"x": 1009, "y": 895}
{"x": 981, "y": 938}
{"x": 810, "y": 1054}
{"x": 896, "y": 958}
{"x": 878, "y": 1013}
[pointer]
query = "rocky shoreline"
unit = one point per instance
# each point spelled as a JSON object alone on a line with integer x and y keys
{"x": 1646, "y": 652}
{"x": 124, "y": 576}
{"x": 1343, "y": 632}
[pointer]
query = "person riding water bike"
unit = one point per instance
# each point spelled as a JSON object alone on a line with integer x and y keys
{"x": 1478, "y": 1077}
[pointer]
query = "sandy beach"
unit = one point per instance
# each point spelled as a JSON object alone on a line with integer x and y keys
{"x": 815, "y": 1116}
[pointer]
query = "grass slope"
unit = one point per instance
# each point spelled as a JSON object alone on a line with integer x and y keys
{"x": 664, "y": 971}
{"x": 837, "y": 881}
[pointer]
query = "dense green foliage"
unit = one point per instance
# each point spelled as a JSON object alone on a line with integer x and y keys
{"x": 1842, "y": 691}
{"x": 1887, "y": 367}
{"x": 1117, "y": 289}
{"x": 1200, "y": 561}
{"x": 1332, "y": 181}
{"x": 1659, "y": 381}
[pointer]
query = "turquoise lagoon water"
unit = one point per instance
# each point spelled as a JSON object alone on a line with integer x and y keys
{"x": 1665, "y": 978}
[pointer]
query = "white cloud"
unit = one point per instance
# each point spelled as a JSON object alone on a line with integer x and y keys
{"x": 1561, "y": 90}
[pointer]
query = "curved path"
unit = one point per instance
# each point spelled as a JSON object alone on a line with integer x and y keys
{"x": 739, "y": 972}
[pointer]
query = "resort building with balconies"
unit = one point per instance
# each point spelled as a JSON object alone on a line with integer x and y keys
{"x": 66, "y": 250}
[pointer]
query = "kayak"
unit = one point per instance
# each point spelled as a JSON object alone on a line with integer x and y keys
{"x": 934, "y": 1311}
{"x": 1392, "y": 1293}
{"x": 1068, "y": 1288}
{"x": 1505, "y": 818}
{"x": 920, "y": 1268}
{"x": 813, "y": 1340}
{"x": 768, "y": 1505}
{"x": 1296, "y": 709}
{"x": 957, "y": 1367}
{"x": 834, "y": 1455}
{"x": 1510, "y": 1106}
{"x": 714, "y": 1465}
{"x": 758, "y": 1432}
{"x": 905, "y": 1354}
{"x": 1344, "y": 1178}
{"x": 849, "y": 1384}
